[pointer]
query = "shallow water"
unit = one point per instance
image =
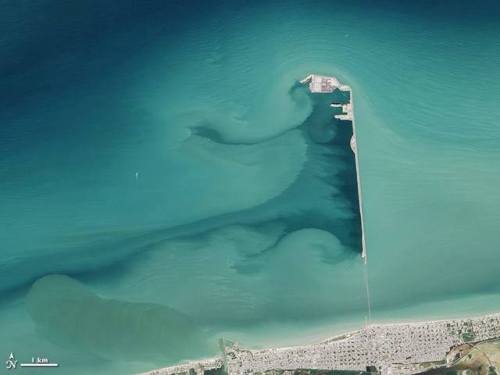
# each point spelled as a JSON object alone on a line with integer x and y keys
{"x": 160, "y": 153}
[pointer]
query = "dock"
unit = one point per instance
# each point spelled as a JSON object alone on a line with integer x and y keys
{"x": 319, "y": 84}
{"x": 388, "y": 347}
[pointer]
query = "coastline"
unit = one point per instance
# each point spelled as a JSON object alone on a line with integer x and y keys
{"x": 325, "y": 330}
{"x": 391, "y": 348}
{"x": 280, "y": 335}
{"x": 313, "y": 345}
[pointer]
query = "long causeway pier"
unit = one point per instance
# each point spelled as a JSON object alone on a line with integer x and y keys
{"x": 391, "y": 349}
{"x": 328, "y": 84}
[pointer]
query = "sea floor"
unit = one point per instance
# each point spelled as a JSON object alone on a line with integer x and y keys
{"x": 160, "y": 158}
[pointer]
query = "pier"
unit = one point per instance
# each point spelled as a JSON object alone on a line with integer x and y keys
{"x": 319, "y": 84}
{"x": 388, "y": 347}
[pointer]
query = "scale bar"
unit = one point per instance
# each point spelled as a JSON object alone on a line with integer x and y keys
{"x": 39, "y": 364}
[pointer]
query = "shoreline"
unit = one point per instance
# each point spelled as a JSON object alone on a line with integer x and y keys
{"x": 325, "y": 330}
{"x": 326, "y": 333}
{"x": 437, "y": 311}
{"x": 399, "y": 347}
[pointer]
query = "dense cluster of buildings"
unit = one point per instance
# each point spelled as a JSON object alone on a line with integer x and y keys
{"x": 403, "y": 348}
{"x": 207, "y": 366}
{"x": 390, "y": 348}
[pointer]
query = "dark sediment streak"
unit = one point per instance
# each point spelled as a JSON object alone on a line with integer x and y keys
{"x": 68, "y": 314}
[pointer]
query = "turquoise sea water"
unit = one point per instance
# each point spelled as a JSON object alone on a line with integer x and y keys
{"x": 163, "y": 184}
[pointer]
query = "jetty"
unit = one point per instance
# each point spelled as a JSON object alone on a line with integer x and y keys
{"x": 390, "y": 349}
{"x": 384, "y": 349}
{"x": 319, "y": 84}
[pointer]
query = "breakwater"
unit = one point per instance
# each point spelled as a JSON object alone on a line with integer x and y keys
{"x": 328, "y": 84}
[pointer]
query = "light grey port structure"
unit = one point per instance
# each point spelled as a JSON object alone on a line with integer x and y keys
{"x": 394, "y": 349}
{"x": 319, "y": 84}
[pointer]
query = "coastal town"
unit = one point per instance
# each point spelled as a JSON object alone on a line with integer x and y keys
{"x": 385, "y": 349}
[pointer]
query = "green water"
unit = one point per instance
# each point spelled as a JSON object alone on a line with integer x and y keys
{"x": 160, "y": 154}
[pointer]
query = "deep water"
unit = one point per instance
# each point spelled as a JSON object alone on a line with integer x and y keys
{"x": 161, "y": 156}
